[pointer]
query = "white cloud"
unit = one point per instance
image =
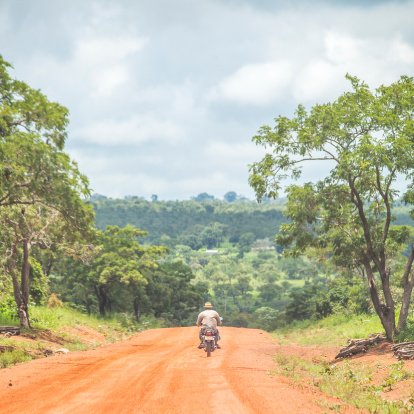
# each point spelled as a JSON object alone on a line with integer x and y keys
{"x": 342, "y": 48}
{"x": 402, "y": 52}
{"x": 374, "y": 60}
{"x": 134, "y": 131}
{"x": 257, "y": 84}
{"x": 104, "y": 61}
{"x": 246, "y": 152}
{"x": 167, "y": 102}
{"x": 95, "y": 51}
{"x": 319, "y": 81}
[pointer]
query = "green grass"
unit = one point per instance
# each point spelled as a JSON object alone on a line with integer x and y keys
{"x": 9, "y": 358}
{"x": 7, "y": 320}
{"x": 114, "y": 328}
{"x": 350, "y": 382}
{"x": 296, "y": 283}
{"x": 331, "y": 330}
{"x": 42, "y": 317}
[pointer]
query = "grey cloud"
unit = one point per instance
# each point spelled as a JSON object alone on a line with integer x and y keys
{"x": 167, "y": 103}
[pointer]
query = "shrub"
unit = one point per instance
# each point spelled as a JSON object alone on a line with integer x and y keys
{"x": 54, "y": 301}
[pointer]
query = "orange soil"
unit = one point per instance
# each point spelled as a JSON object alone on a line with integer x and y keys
{"x": 160, "y": 371}
{"x": 379, "y": 360}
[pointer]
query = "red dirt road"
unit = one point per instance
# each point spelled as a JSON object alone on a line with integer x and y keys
{"x": 158, "y": 371}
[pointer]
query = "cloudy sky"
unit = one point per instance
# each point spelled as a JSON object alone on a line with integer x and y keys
{"x": 165, "y": 95}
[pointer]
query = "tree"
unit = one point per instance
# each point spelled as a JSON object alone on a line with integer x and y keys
{"x": 213, "y": 234}
{"x": 119, "y": 258}
{"x": 36, "y": 177}
{"x": 230, "y": 196}
{"x": 366, "y": 138}
{"x": 171, "y": 292}
{"x": 245, "y": 242}
{"x": 203, "y": 197}
{"x": 269, "y": 292}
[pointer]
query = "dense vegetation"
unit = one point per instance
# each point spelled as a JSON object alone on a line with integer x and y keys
{"x": 161, "y": 259}
{"x": 365, "y": 139}
{"x": 49, "y": 245}
{"x": 192, "y": 223}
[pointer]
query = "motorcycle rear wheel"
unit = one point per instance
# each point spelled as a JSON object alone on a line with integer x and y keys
{"x": 208, "y": 348}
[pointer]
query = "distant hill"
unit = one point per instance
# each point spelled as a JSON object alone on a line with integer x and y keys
{"x": 177, "y": 218}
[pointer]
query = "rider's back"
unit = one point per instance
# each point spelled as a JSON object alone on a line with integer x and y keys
{"x": 209, "y": 317}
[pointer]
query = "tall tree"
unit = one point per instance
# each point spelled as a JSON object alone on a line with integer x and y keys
{"x": 35, "y": 173}
{"x": 119, "y": 258}
{"x": 230, "y": 196}
{"x": 366, "y": 139}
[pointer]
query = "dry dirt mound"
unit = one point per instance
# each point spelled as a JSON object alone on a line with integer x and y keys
{"x": 39, "y": 343}
{"x": 160, "y": 371}
{"x": 379, "y": 360}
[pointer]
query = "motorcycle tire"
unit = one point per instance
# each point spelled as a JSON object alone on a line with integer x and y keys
{"x": 208, "y": 348}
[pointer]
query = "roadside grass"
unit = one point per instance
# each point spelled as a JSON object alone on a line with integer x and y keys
{"x": 48, "y": 325}
{"x": 334, "y": 329}
{"x": 42, "y": 317}
{"x": 9, "y": 358}
{"x": 7, "y": 320}
{"x": 351, "y": 383}
{"x": 295, "y": 283}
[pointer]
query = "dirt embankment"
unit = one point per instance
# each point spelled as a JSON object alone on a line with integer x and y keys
{"x": 160, "y": 371}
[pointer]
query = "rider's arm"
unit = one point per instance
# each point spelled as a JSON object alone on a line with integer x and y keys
{"x": 199, "y": 319}
{"x": 218, "y": 319}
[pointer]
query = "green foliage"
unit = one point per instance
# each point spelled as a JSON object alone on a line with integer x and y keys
{"x": 237, "y": 319}
{"x": 334, "y": 329}
{"x": 170, "y": 292}
{"x": 54, "y": 301}
{"x": 8, "y": 311}
{"x": 124, "y": 277}
{"x": 10, "y": 358}
{"x": 203, "y": 197}
{"x": 230, "y": 196}
{"x": 39, "y": 288}
{"x": 351, "y": 383}
{"x": 41, "y": 188}
{"x": 212, "y": 235}
{"x": 266, "y": 318}
{"x": 118, "y": 260}
{"x": 184, "y": 221}
{"x": 346, "y": 218}
{"x": 407, "y": 333}
{"x": 341, "y": 294}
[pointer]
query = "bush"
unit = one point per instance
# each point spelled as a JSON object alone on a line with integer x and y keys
{"x": 237, "y": 320}
{"x": 54, "y": 301}
{"x": 38, "y": 283}
{"x": 9, "y": 358}
{"x": 8, "y": 309}
{"x": 266, "y": 318}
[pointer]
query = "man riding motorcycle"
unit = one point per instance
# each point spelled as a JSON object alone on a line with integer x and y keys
{"x": 211, "y": 318}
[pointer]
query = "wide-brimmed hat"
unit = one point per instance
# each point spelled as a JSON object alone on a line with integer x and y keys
{"x": 208, "y": 305}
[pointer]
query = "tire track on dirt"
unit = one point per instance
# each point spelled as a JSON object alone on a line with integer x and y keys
{"x": 157, "y": 371}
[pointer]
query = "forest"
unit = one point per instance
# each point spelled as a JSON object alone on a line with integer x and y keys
{"x": 342, "y": 245}
{"x": 245, "y": 274}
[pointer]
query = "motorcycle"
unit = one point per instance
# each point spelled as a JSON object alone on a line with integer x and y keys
{"x": 208, "y": 340}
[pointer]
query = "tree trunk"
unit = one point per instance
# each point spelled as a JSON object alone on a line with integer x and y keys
{"x": 385, "y": 313}
{"x": 21, "y": 290}
{"x": 102, "y": 299}
{"x": 21, "y": 305}
{"x": 137, "y": 310}
{"x": 405, "y": 306}
{"x": 408, "y": 283}
{"x": 23, "y": 310}
{"x": 48, "y": 268}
